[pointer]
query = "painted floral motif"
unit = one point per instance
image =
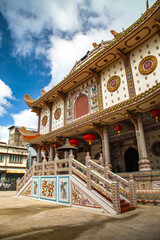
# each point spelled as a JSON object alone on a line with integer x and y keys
{"x": 70, "y": 102}
{"x": 63, "y": 190}
{"x": 94, "y": 100}
{"x": 94, "y": 89}
{"x": 48, "y": 188}
{"x": 27, "y": 191}
{"x": 35, "y": 187}
{"x": 69, "y": 113}
{"x": 79, "y": 198}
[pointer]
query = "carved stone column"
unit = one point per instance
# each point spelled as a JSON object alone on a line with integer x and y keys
{"x": 39, "y": 154}
{"x": 144, "y": 163}
{"x": 105, "y": 146}
{"x": 51, "y": 152}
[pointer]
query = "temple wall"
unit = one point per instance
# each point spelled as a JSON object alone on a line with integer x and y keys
{"x": 111, "y": 93}
{"x": 58, "y": 114}
{"x": 87, "y": 89}
{"x": 150, "y": 47}
{"x": 44, "y": 120}
{"x": 152, "y": 138}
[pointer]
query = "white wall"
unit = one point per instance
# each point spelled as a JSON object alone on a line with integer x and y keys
{"x": 149, "y": 47}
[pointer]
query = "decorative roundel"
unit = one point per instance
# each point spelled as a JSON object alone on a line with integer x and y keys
{"x": 44, "y": 120}
{"x": 147, "y": 65}
{"x": 156, "y": 149}
{"x": 113, "y": 83}
{"x": 57, "y": 113}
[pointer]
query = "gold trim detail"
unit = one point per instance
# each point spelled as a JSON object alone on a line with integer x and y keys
{"x": 113, "y": 83}
{"x": 44, "y": 120}
{"x": 57, "y": 113}
{"x": 147, "y": 65}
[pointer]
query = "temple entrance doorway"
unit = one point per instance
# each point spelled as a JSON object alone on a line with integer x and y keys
{"x": 131, "y": 159}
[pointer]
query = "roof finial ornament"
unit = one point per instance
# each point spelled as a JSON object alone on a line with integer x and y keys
{"x": 147, "y": 5}
{"x": 114, "y": 33}
{"x": 43, "y": 92}
{"x": 94, "y": 44}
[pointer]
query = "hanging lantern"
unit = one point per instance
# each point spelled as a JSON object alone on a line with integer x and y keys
{"x": 74, "y": 142}
{"x": 118, "y": 128}
{"x": 89, "y": 137}
{"x": 55, "y": 145}
{"x": 155, "y": 113}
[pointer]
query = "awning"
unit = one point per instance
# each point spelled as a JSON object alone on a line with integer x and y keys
{"x": 16, "y": 171}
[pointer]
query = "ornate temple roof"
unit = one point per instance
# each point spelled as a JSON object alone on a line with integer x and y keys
{"x": 102, "y": 55}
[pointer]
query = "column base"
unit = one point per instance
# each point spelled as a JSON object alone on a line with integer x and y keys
{"x": 144, "y": 165}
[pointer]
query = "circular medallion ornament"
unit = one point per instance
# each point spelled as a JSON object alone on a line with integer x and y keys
{"x": 44, "y": 120}
{"x": 57, "y": 113}
{"x": 147, "y": 65}
{"x": 113, "y": 83}
{"x": 156, "y": 149}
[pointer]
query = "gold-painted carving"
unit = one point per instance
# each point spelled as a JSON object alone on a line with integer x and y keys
{"x": 57, "y": 113}
{"x": 113, "y": 83}
{"x": 147, "y": 65}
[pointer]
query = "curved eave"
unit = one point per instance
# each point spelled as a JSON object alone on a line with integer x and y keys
{"x": 130, "y": 104}
{"x": 30, "y": 138}
{"x": 147, "y": 19}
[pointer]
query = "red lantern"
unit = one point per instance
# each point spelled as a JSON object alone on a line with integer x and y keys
{"x": 74, "y": 142}
{"x": 155, "y": 113}
{"x": 89, "y": 137}
{"x": 118, "y": 128}
{"x": 55, "y": 145}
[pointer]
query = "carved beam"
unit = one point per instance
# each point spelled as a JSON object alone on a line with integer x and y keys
{"x": 36, "y": 110}
{"x": 99, "y": 129}
{"x": 60, "y": 140}
{"x": 130, "y": 116}
{"x": 157, "y": 24}
{"x": 48, "y": 104}
{"x": 95, "y": 75}
{"x": 121, "y": 54}
{"x": 62, "y": 95}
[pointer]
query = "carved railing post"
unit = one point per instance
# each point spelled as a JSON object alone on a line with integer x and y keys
{"x": 101, "y": 160}
{"x": 88, "y": 175}
{"x": 88, "y": 158}
{"x": 55, "y": 163}
{"x": 106, "y": 169}
{"x": 132, "y": 191}
{"x": 71, "y": 156}
{"x": 44, "y": 166}
{"x": 116, "y": 196}
{"x": 17, "y": 184}
{"x": 33, "y": 167}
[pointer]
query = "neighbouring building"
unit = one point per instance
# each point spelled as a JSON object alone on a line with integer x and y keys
{"x": 13, "y": 161}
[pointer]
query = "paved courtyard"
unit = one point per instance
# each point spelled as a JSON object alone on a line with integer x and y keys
{"x": 26, "y": 219}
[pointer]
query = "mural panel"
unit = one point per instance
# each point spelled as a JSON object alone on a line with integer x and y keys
{"x": 48, "y": 188}
{"x": 35, "y": 187}
{"x": 81, "y": 198}
{"x": 64, "y": 189}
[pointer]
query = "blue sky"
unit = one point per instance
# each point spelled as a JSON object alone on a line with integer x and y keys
{"x": 40, "y": 40}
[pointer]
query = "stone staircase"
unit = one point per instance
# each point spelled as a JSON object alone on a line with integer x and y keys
{"x": 119, "y": 193}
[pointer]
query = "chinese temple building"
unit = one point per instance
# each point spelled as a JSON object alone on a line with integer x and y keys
{"x": 109, "y": 103}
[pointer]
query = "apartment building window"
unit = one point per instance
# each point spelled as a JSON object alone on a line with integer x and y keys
{"x": 14, "y": 158}
{"x": 1, "y": 157}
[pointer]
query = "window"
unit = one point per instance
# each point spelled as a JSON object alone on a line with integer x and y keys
{"x": 16, "y": 159}
{"x": 1, "y": 157}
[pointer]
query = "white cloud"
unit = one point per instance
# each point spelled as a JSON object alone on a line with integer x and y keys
{"x": 4, "y": 134}
{"x": 65, "y": 53}
{"x": 25, "y": 118}
{"x": 5, "y": 94}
